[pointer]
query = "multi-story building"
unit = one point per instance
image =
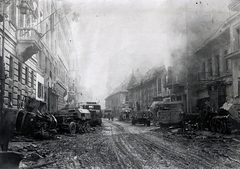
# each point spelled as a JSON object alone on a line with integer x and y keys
{"x": 36, "y": 52}
{"x": 75, "y": 89}
{"x": 148, "y": 88}
{"x": 220, "y": 62}
{"x": 163, "y": 84}
{"x": 232, "y": 55}
{"x": 119, "y": 98}
{"x": 181, "y": 82}
{"x": 215, "y": 73}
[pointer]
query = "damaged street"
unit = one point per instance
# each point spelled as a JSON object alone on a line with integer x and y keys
{"x": 118, "y": 144}
{"x": 114, "y": 84}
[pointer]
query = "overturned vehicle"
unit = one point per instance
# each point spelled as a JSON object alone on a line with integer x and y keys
{"x": 73, "y": 120}
{"x": 33, "y": 120}
{"x": 38, "y": 125}
{"x": 224, "y": 120}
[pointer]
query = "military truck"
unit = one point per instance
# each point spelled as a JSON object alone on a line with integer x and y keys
{"x": 73, "y": 120}
{"x": 95, "y": 111}
{"x": 142, "y": 117}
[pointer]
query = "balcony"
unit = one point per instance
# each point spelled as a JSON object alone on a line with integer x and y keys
{"x": 172, "y": 85}
{"x": 214, "y": 76}
{"x": 206, "y": 76}
{"x": 28, "y": 43}
{"x": 234, "y": 5}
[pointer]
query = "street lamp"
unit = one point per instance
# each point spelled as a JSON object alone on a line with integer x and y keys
{"x": 23, "y": 7}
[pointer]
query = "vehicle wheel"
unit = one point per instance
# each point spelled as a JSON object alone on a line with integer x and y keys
{"x": 224, "y": 127}
{"x": 133, "y": 122}
{"x": 80, "y": 128}
{"x": 213, "y": 125}
{"x": 87, "y": 127}
{"x": 72, "y": 128}
{"x": 219, "y": 127}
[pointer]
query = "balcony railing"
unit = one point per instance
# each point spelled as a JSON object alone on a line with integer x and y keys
{"x": 29, "y": 34}
{"x": 208, "y": 76}
{"x": 28, "y": 43}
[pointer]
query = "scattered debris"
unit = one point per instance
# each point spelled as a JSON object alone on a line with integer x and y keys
{"x": 38, "y": 165}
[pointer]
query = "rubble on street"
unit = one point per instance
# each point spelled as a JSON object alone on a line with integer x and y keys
{"x": 113, "y": 145}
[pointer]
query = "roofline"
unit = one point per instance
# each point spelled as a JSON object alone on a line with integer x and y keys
{"x": 215, "y": 34}
{"x": 116, "y": 93}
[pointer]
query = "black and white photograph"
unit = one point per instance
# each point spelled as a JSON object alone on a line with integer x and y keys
{"x": 119, "y": 84}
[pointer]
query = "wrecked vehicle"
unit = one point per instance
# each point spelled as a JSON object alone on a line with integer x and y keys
{"x": 73, "y": 120}
{"x": 224, "y": 120}
{"x": 28, "y": 121}
{"x": 216, "y": 112}
{"x": 34, "y": 121}
{"x": 95, "y": 110}
{"x": 142, "y": 117}
{"x": 42, "y": 126}
{"x": 168, "y": 112}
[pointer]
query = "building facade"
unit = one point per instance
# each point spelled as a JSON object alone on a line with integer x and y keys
{"x": 119, "y": 98}
{"x": 220, "y": 62}
{"x": 148, "y": 88}
{"x": 37, "y": 53}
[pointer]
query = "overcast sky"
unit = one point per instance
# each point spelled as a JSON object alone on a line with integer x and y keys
{"x": 115, "y": 37}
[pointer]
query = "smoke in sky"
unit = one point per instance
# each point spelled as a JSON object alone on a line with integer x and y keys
{"x": 115, "y": 37}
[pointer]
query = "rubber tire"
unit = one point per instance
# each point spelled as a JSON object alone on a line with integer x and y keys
{"x": 86, "y": 127}
{"x": 133, "y": 122}
{"x": 72, "y": 128}
{"x": 213, "y": 126}
{"x": 224, "y": 127}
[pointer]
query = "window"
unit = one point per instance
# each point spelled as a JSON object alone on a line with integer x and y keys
{"x": 18, "y": 101}
{"x": 238, "y": 87}
{"x": 237, "y": 39}
{"x": 228, "y": 62}
{"x": 179, "y": 98}
{"x": 210, "y": 67}
{"x": 11, "y": 68}
{"x": 32, "y": 79}
{"x": 46, "y": 61}
{"x": 26, "y": 76}
{"x": 40, "y": 90}
{"x": 40, "y": 56}
{"x": 19, "y": 72}
{"x": 203, "y": 70}
{"x": 217, "y": 66}
{"x": 10, "y": 104}
{"x": 159, "y": 85}
{"x": 50, "y": 73}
